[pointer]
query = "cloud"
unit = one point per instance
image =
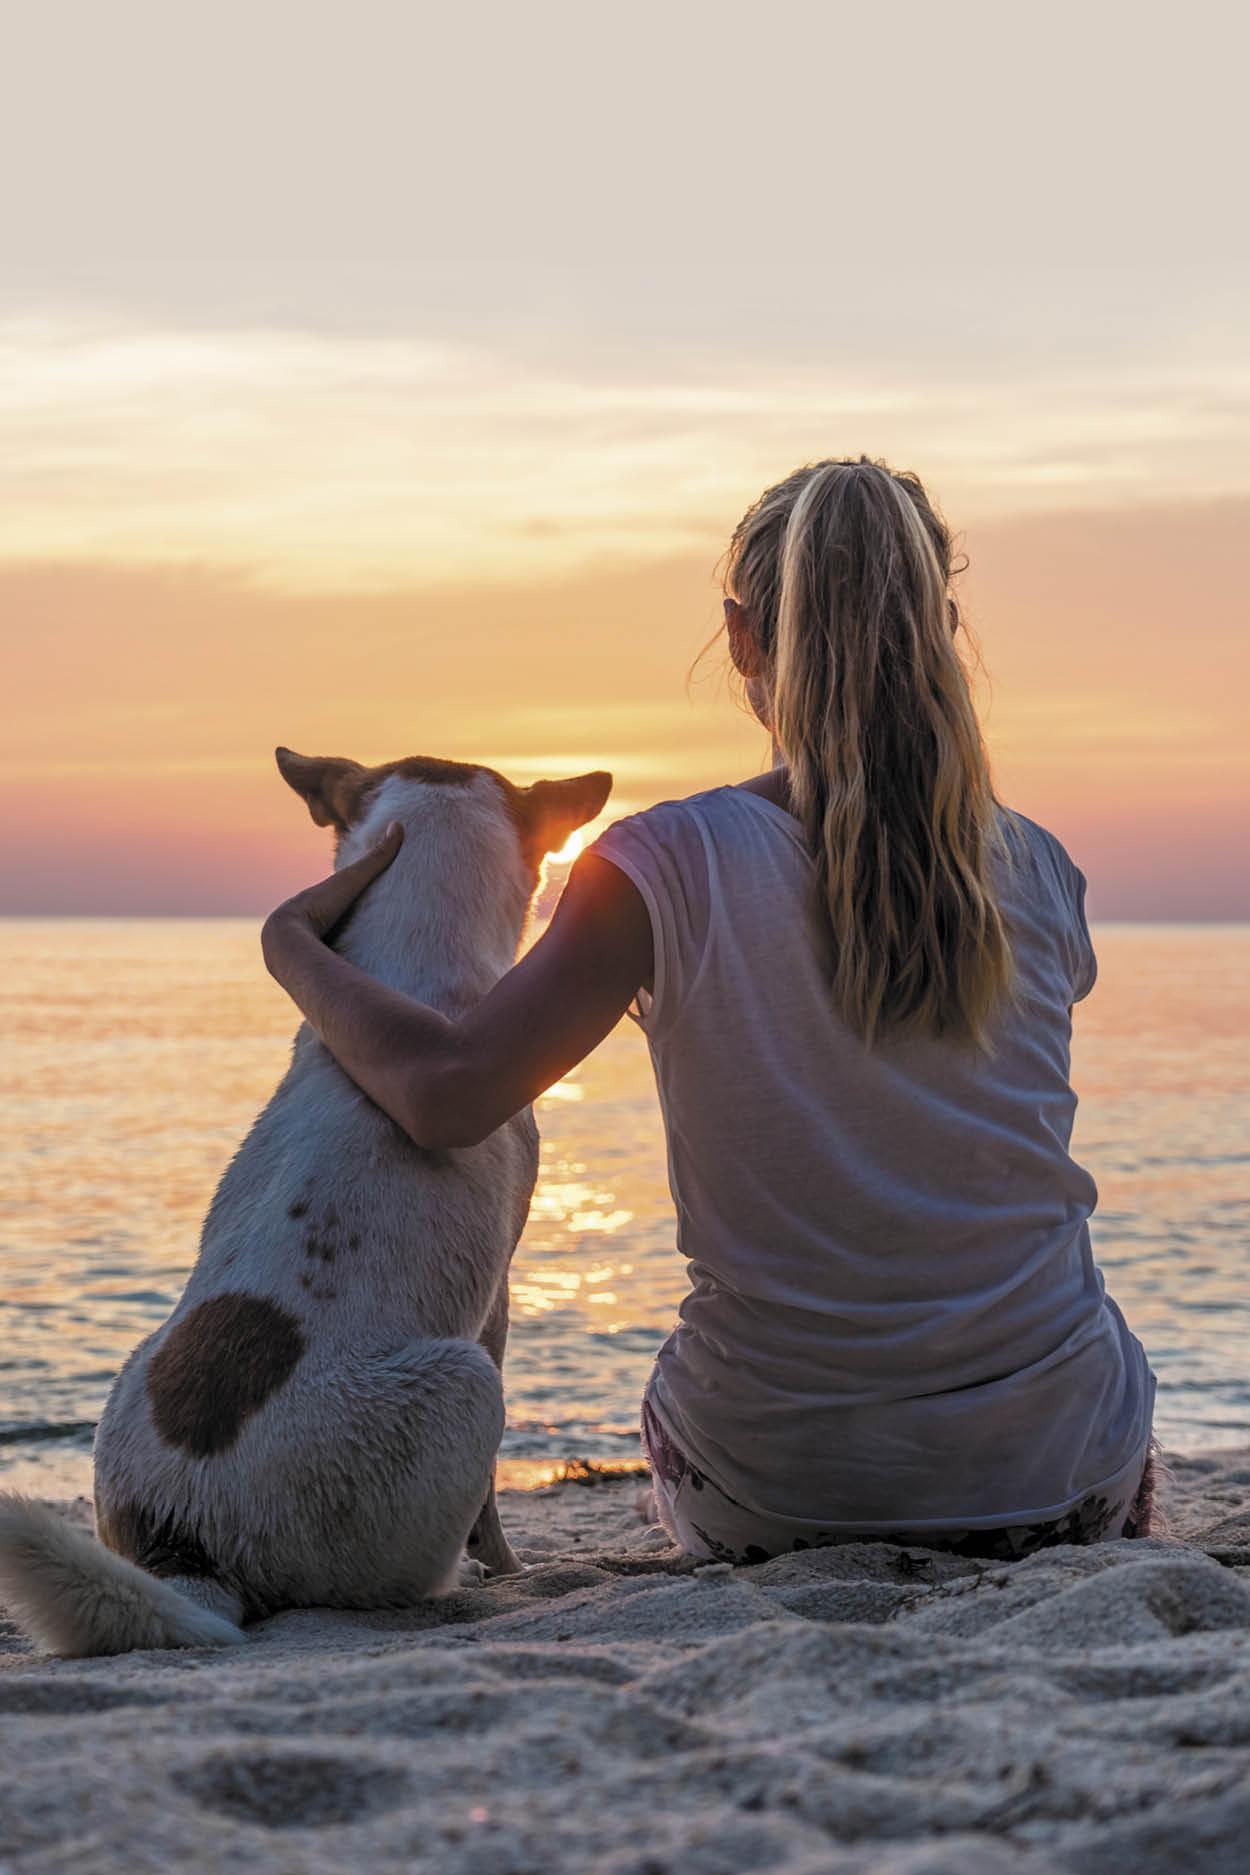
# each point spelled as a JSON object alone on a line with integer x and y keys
{"x": 321, "y": 462}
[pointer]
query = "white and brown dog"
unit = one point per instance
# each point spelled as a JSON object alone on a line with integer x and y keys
{"x": 317, "y": 1422}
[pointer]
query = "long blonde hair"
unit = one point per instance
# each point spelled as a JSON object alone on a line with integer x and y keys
{"x": 844, "y": 570}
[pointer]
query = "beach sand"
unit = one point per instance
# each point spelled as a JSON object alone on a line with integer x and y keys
{"x": 616, "y": 1708}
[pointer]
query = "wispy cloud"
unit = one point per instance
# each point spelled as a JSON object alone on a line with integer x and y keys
{"x": 365, "y": 462}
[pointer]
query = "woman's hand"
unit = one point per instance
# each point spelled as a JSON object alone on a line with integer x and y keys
{"x": 449, "y": 1082}
{"x": 320, "y": 907}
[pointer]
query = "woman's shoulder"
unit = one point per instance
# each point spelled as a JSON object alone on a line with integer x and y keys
{"x": 1025, "y": 836}
{"x": 673, "y": 819}
{"x": 650, "y": 834}
{"x": 726, "y": 817}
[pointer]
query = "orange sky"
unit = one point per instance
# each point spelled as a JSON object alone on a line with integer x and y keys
{"x": 138, "y": 756}
{"x": 390, "y": 382}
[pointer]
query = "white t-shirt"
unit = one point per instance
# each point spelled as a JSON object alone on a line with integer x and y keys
{"x": 894, "y": 1317}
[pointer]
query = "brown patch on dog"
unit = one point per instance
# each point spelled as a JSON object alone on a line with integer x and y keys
{"x": 162, "y": 1546}
{"x": 429, "y": 769}
{"x": 338, "y": 790}
{"x": 433, "y": 769}
{"x": 322, "y": 1247}
{"x": 218, "y": 1366}
{"x": 298, "y": 1209}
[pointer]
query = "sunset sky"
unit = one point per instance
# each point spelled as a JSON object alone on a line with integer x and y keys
{"x": 392, "y": 385}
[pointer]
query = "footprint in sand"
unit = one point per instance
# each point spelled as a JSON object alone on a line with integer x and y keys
{"x": 292, "y": 1790}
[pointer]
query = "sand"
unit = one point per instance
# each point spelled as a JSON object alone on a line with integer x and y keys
{"x": 617, "y": 1708}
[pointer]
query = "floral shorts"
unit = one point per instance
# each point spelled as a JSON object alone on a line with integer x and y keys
{"x": 704, "y": 1521}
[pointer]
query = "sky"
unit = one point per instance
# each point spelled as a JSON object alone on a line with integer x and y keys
{"x": 380, "y": 382}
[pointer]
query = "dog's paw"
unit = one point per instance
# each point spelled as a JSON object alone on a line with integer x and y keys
{"x": 515, "y": 1568}
{"x": 505, "y": 1562}
{"x": 471, "y": 1574}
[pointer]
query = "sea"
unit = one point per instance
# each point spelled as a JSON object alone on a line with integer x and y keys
{"x": 137, "y": 1051}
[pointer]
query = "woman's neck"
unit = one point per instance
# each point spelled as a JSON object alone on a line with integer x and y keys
{"x": 773, "y": 784}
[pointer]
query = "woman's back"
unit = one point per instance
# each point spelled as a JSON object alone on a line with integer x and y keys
{"x": 895, "y": 1317}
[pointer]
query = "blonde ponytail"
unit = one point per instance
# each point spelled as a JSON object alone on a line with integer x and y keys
{"x": 844, "y": 569}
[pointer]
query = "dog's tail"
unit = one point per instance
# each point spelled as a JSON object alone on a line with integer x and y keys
{"x": 74, "y": 1596}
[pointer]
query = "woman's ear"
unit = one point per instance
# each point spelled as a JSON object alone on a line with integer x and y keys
{"x": 329, "y": 784}
{"x": 744, "y": 643}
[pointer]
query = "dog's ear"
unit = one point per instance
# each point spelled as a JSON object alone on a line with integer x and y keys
{"x": 329, "y": 783}
{"x": 553, "y": 809}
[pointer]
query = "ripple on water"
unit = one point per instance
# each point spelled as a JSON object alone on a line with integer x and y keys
{"x": 140, "y": 1051}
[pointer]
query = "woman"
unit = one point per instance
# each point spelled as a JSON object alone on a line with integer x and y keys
{"x": 855, "y": 974}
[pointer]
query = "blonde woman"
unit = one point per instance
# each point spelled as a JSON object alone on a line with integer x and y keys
{"x": 856, "y": 975}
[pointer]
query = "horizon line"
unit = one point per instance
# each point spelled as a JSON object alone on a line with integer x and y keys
{"x": 1240, "y": 922}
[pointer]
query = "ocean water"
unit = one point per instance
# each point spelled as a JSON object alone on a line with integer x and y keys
{"x": 136, "y": 1053}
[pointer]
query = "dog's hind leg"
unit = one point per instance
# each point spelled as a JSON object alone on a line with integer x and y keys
{"x": 388, "y": 1490}
{"x": 210, "y": 1594}
{"x": 487, "y": 1543}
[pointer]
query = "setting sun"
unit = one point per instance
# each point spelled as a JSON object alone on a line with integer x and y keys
{"x": 570, "y": 850}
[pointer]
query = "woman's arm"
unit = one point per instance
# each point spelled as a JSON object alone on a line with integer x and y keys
{"x": 450, "y": 1083}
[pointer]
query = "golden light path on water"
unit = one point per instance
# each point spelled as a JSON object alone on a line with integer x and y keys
{"x": 138, "y": 1051}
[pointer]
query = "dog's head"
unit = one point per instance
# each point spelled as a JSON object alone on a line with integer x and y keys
{"x": 469, "y": 812}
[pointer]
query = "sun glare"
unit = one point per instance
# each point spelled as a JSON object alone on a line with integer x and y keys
{"x": 570, "y": 850}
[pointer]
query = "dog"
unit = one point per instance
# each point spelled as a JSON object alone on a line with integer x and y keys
{"x": 318, "y": 1421}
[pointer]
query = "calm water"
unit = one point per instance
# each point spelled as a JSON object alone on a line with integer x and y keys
{"x": 137, "y": 1052}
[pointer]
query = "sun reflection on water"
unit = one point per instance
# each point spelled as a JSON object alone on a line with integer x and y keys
{"x": 137, "y": 1053}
